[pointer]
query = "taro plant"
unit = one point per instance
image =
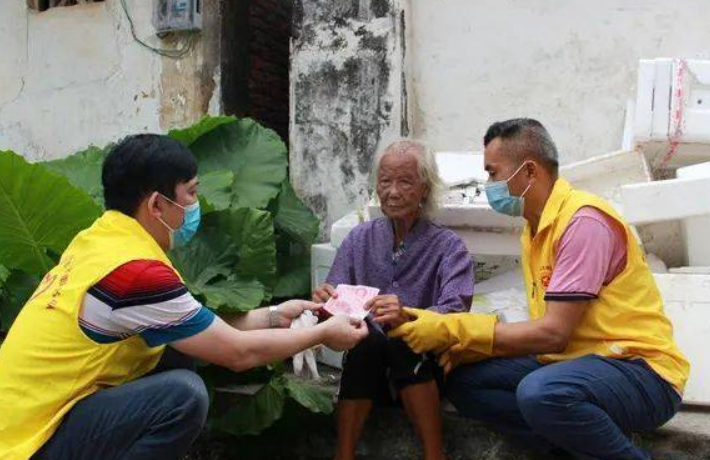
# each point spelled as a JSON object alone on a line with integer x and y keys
{"x": 252, "y": 246}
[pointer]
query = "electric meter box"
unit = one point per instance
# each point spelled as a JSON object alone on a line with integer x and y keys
{"x": 177, "y": 15}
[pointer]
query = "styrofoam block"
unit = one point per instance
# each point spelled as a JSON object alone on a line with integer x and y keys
{"x": 687, "y": 304}
{"x": 603, "y": 175}
{"x": 476, "y": 215}
{"x": 643, "y": 121}
{"x": 505, "y": 243}
{"x": 322, "y": 258}
{"x": 696, "y": 101}
{"x": 502, "y": 295}
{"x": 690, "y": 270}
{"x": 672, "y": 111}
{"x": 694, "y": 171}
{"x": 665, "y": 239}
{"x": 665, "y": 200}
{"x": 342, "y": 227}
{"x": 696, "y": 229}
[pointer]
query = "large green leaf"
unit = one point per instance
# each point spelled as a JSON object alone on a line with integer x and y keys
{"x": 256, "y": 155}
{"x": 83, "y": 169}
{"x": 4, "y": 273}
{"x": 294, "y": 218}
{"x": 313, "y": 397}
{"x": 208, "y": 266}
{"x": 211, "y": 254}
{"x": 216, "y": 190}
{"x": 40, "y": 212}
{"x": 189, "y": 135}
{"x": 234, "y": 295}
{"x": 257, "y": 413}
{"x": 252, "y": 231}
{"x": 293, "y": 278}
{"x": 230, "y": 260}
{"x": 17, "y": 289}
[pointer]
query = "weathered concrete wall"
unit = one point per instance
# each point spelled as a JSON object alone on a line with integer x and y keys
{"x": 570, "y": 63}
{"x": 348, "y": 98}
{"x": 73, "y": 76}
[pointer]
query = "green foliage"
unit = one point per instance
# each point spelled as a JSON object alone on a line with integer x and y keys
{"x": 294, "y": 218}
{"x": 253, "y": 243}
{"x": 259, "y": 412}
{"x": 190, "y": 134}
{"x": 40, "y": 212}
{"x": 314, "y": 398}
{"x": 256, "y": 156}
{"x": 83, "y": 169}
{"x": 216, "y": 190}
{"x": 17, "y": 287}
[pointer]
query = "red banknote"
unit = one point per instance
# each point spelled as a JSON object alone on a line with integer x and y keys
{"x": 351, "y": 300}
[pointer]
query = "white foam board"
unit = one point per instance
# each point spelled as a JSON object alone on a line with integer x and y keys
{"x": 603, "y": 175}
{"x": 666, "y": 200}
{"x": 697, "y": 229}
{"x": 687, "y": 304}
{"x": 342, "y": 227}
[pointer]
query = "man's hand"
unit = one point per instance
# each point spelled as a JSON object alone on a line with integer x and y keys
{"x": 435, "y": 332}
{"x": 342, "y": 333}
{"x": 324, "y": 293}
{"x": 425, "y": 332}
{"x": 387, "y": 310}
{"x": 292, "y": 309}
{"x": 457, "y": 355}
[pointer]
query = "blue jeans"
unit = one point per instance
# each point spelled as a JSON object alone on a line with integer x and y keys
{"x": 153, "y": 418}
{"x": 587, "y": 406}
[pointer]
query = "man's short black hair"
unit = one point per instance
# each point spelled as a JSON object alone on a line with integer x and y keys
{"x": 526, "y": 138}
{"x": 142, "y": 164}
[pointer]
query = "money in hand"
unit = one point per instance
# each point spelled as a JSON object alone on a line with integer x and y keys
{"x": 351, "y": 301}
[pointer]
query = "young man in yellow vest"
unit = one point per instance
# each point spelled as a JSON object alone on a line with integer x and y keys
{"x": 597, "y": 360}
{"x": 75, "y": 368}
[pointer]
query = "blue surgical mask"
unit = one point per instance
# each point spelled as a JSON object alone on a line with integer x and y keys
{"x": 501, "y": 200}
{"x": 191, "y": 222}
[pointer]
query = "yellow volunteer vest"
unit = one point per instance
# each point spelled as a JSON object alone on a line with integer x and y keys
{"x": 627, "y": 319}
{"x": 47, "y": 364}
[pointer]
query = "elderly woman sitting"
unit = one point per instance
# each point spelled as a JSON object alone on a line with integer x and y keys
{"x": 415, "y": 263}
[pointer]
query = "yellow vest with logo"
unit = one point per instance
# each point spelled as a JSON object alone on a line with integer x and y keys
{"x": 627, "y": 320}
{"x": 47, "y": 364}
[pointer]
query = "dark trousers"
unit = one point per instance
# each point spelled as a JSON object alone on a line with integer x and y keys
{"x": 153, "y": 418}
{"x": 588, "y": 406}
{"x": 378, "y": 368}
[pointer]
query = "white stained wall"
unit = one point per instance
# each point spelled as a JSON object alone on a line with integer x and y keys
{"x": 572, "y": 64}
{"x": 72, "y": 76}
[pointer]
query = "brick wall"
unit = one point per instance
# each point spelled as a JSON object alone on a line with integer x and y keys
{"x": 255, "y": 61}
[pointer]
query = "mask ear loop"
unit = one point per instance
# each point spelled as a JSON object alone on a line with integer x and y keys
{"x": 516, "y": 172}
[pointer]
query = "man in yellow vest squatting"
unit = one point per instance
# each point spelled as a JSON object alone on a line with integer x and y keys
{"x": 78, "y": 376}
{"x": 597, "y": 360}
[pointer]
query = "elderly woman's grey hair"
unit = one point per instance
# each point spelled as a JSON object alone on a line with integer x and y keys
{"x": 428, "y": 171}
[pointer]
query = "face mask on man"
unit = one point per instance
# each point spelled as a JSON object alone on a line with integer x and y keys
{"x": 191, "y": 222}
{"x": 501, "y": 200}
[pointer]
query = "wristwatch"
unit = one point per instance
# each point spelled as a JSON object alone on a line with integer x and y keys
{"x": 274, "y": 320}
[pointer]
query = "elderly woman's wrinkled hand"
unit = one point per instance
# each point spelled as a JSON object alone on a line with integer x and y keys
{"x": 387, "y": 310}
{"x": 324, "y": 293}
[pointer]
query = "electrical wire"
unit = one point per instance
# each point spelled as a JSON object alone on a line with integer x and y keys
{"x": 168, "y": 53}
